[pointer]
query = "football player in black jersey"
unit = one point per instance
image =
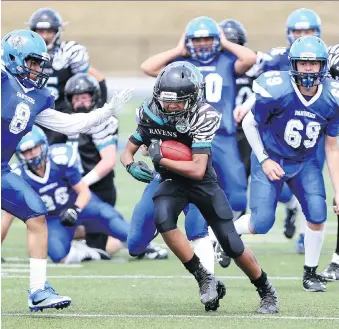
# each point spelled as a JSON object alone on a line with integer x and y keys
{"x": 67, "y": 58}
{"x": 98, "y": 151}
{"x": 176, "y": 112}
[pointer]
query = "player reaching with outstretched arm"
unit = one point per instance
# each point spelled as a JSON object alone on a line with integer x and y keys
{"x": 24, "y": 101}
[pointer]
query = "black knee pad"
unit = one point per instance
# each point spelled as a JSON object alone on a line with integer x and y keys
{"x": 221, "y": 205}
{"x": 228, "y": 238}
{"x": 235, "y": 246}
{"x": 97, "y": 240}
{"x": 164, "y": 217}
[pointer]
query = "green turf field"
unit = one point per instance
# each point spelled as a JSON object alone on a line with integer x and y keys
{"x": 126, "y": 293}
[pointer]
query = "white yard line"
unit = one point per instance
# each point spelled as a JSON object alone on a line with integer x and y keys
{"x": 5, "y": 265}
{"x": 173, "y": 316}
{"x": 147, "y": 277}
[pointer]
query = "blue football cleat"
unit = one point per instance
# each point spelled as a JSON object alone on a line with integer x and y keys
{"x": 300, "y": 246}
{"x": 47, "y": 298}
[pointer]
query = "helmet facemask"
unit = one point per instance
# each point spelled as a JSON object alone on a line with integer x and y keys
{"x": 308, "y": 79}
{"x": 26, "y": 71}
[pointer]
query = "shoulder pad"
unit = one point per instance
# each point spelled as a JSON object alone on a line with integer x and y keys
{"x": 62, "y": 154}
{"x": 277, "y": 51}
{"x": 16, "y": 168}
{"x": 333, "y": 88}
{"x": 271, "y": 84}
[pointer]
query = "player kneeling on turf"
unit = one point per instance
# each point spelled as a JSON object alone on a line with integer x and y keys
{"x": 176, "y": 112}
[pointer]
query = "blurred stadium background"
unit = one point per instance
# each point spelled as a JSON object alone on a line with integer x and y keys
{"x": 151, "y": 294}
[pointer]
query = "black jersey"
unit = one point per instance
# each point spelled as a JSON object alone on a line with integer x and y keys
{"x": 196, "y": 130}
{"x": 67, "y": 59}
{"x": 90, "y": 144}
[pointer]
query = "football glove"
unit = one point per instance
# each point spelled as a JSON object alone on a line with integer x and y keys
{"x": 69, "y": 216}
{"x": 155, "y": 151}
{"x": 140, "y": 171}
{"x": 118, "y": 100}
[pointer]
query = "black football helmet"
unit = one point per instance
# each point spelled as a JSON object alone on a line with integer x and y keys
{"x": 49, "y": 19}
{"x": 234, "y": 31}
{"x": 333, "y": 61}
{"x": 82, "y": 83}
{"x": 177, "y": 82}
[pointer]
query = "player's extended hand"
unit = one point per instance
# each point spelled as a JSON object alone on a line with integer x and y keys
{"x": 70, "y": 216}
{"x": 272, "y": 170}
{"x": 239, "y": 113}
{"x": 140, "y": 171}
{"x": 336, "y": 204}
{"x": 118, "y": 100}
{"x": 155, "y": 151}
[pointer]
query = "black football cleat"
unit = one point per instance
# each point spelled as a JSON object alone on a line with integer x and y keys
{"x": 289, "y": 225}
{"x": 313, "y": 282}
{"x": 268, "y": 299}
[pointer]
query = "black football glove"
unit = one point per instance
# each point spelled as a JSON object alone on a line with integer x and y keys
{"x": 69, "y": 216}
{"x": 140, "y": 171}
{"x": 155, "y": 151}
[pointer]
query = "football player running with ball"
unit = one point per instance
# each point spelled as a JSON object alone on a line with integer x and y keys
{"x": 175, "y": 113}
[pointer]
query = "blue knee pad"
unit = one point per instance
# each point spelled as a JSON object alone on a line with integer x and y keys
{"x": 18, "y": 198}
{"x": 264, "y": 196}
{"x": 195, "y": 224}
{"x": 142, "y": 226}
{"x": 59, "y": 239}
{"x": 309, "y": 187}
{"x": 230, "y": 170}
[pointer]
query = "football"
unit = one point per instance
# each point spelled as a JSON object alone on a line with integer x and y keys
{"x": 176, "y": 151}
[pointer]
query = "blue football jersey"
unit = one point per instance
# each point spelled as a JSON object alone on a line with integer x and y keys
{"x": 276, "y": 59}
{"x": 221, "y": 90}
{"x": 289, "y": 124}
{"x": 19, "y": 108}
{"x": 55, "y": 188}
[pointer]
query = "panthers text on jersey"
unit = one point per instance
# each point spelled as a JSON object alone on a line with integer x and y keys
{"x": 90, "y": 144}
{"x": 196, "y": 130}
{"x": 55, "y": 188}
{"x": 289, "y": 123}
{"x": 67, "y": 59}
{"x": 19, "y": 109}
{"x": 220, "y": 88}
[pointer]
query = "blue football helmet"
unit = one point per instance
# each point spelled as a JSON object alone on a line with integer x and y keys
{"x": 202, "y": 27}
{"x": 302, "y": 19}
{"x": 19, "y": 45}
{"x": 32, "y": 139}
{"x": 234, "y": 31}
{"x": 308, "y": 48}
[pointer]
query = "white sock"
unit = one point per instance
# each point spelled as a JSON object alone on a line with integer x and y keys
{"x": 37, "y": 275}
{"x": 242, "y": 224}
{"x": 313, "y": 244}
{"x": 292, "y": 204}
{"x": 212, "y": 235}
{"x": 236, "y": 215}
{"x": 203, "y": 248}
{"x": 335, "y": 258}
